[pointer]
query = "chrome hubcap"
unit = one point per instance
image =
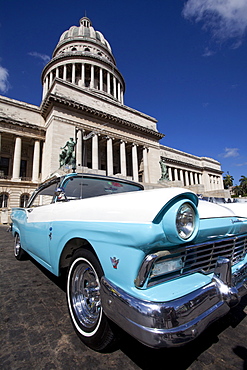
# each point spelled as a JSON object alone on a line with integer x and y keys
{"x": 17, "y": 246}
{"x": 85, "y": 295}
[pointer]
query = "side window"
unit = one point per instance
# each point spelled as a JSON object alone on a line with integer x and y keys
{"x": 4, "y": 199}
{"x": 43, "y": 196}
{"x": 24, "y": 200}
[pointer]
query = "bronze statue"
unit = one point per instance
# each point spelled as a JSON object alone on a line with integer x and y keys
{"x": 164, "y": 174}
{"x": 67, "y": 156}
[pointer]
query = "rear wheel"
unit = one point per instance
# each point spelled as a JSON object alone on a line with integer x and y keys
{"x": 20, "y": 254}
{"x": 84, "y": 302}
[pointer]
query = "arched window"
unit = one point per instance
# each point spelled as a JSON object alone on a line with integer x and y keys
{"x": 23, "y": 200}
{"x": 4, "y": 198}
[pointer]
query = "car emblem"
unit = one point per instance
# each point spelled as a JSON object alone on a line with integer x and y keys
{"x": 236, "y": 220}
{"x": 114, "y": 262}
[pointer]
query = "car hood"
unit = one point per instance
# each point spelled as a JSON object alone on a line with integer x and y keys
{"x": 139, "y": 206}
{"x": 212, "y": 210}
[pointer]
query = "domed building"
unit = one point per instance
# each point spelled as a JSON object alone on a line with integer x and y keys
{"x": 83, "y": 106}
{"x": 83, "y": 97}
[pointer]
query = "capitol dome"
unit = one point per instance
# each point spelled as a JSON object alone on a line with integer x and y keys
{"x": 83, "y": 57}
{"x": 85, "y": 31}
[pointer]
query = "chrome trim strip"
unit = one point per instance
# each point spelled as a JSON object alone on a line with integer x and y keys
{"x": 147, "y": 266}
{"x": 172, "y": 323}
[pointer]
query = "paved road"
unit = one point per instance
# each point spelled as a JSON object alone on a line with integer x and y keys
{"x": 36, "y": 332}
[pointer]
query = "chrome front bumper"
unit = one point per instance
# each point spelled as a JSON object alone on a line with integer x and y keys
{"x": 173, "y": 323}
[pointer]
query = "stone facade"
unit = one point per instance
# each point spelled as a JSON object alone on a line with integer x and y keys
{"x": 83, "y": 99}
{"x": 200, "y": 174}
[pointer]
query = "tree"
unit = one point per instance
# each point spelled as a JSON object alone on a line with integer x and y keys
{"x": 243, "y": 184}
{"x": 238, "y": 191}
{"x": 228, "y": 181}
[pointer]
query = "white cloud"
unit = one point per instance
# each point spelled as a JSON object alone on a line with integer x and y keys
{"x": 225, "y": 19}
{"x": 230, "y": 152}
{"x": 208, "y": 52}
{"x": 241, "y": 164}
{"x": 45, "y": 58}
{"x": 4, "y": 84}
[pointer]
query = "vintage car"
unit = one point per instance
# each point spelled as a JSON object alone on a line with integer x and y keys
{"x": 160, "y": 264}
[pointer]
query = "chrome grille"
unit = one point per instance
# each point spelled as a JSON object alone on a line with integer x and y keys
{"x": 203, "y": 257}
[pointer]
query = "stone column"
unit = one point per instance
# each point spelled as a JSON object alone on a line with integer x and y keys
{"x": 64, "y": 72}
{"x": 211, "y": 182}
{"x": 182, "y": 176}
{"x": 199, "y": 178}
{"x": 217, "y": 182}
{"x": 196, "y": 178}
{"x": 92, "y": 77}
{"x": 123, "y": 158}
{"x": 82, "y": 80}
{"x": 119, "y": 92}
{"x": 122, "y": 100}
{"x": 135, "y": 163}
{"x": 57, "y": 72}
{"x": 51, "y": 78}
{"x": 170, "y": 173}
{"x": 101, "y": 79}
{"x": 73, "y": 73}
{"x": 186, "y": 179}
{"x": 145, "y": 165}
{"x": 175, "y": 174}
{"x": 95, "y": 152}
{"x": 108, "y": 83}
{"x": 36, "y": 157}
{"x": 79, "y": 149}
{"x": 17, "y": 160}
{"x": 114, "y": 87}
{"x": 214, "y": 182}
{"x": 45, "y": 87}
{"x": 221, "y": 184}
{"x": 109, "y": 157}
{"x": 191, "y": 178}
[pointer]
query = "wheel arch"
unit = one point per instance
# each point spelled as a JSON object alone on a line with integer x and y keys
{"x": 70, "y": 248}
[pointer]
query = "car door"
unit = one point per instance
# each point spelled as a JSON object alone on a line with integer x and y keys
{"x": 37, "y": 230}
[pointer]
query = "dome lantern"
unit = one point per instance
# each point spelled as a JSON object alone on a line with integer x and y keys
{"x": 85, "y": 22}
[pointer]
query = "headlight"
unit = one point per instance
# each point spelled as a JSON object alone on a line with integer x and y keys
{"x": 185, "y": 221}
{"x": 181, "y": 222}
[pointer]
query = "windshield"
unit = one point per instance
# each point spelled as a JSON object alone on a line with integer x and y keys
{"x": 85, "y": 187}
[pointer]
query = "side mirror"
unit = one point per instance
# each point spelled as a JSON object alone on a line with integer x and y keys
{"x": 60, "y": 194}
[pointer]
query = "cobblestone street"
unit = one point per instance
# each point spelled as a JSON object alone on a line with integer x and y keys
{"x": 36, "y": 332}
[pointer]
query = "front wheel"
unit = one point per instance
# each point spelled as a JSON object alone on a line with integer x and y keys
{"x": 84, "y": 302}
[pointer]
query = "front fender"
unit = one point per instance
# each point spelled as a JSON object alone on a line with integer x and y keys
{"x": 122, "y": 241}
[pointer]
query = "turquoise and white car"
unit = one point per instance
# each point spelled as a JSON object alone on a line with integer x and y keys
{"x": 159, "y": 263}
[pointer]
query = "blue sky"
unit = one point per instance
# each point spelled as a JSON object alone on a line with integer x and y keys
{"x": 184, "y": 62}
